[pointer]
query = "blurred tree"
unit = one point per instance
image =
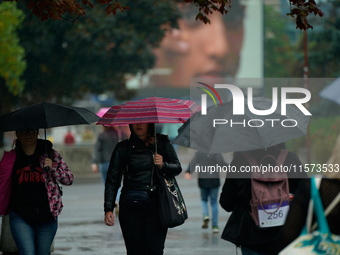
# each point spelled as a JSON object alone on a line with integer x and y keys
{"x": 323, "y": 55}
{"x": 279, "y": 60}
{"x": 55, "y": 9}
{"x": 324, "y": 46}
{"x": 279, "y": 52}
{"x": 94, "y": 54}
{"x": 300, "y": 10}
{"x": 283, "y": 60}
{"x": 12, "y": 63}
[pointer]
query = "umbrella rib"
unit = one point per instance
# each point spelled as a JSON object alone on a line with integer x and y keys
{"x": 45, "y": 115}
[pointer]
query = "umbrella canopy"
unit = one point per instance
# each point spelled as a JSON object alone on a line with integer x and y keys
{"x": 46, "y": 115}
{"x": 150, "y": 110}
{"x": 102, "y": 111}
{"x": 241, "y": 132}
{"x": 332, "y": 91}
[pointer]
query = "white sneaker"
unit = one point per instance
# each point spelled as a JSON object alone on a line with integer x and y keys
{"x": 216, "y": 229}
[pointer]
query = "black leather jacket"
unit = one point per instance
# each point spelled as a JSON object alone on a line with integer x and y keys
{"x": 133, "y": 160}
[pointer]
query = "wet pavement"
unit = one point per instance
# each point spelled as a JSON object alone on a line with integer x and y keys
{"x": 82, "y": 229}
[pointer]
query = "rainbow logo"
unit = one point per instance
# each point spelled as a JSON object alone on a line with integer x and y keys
{"x": 209, "y": 93}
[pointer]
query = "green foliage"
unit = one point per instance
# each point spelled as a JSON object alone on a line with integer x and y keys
{"x": 323, "y": 133}
{"x": 12, "y": 63}
{"x": 278, "y": 52}
{"x": 324, "y": 46}
{"x": 328, "y": 125}
{"x": 93, "y": 54}
{"x": 296, "y": 144}
{"x": 325, "y": 108}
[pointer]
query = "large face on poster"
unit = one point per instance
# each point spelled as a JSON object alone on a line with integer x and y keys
{"x": 231, "y": 46}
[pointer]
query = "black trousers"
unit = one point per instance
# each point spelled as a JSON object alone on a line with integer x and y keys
{"x": 141, "y": 228}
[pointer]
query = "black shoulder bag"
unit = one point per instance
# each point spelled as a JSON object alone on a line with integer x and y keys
{"x": 172, "y": 209}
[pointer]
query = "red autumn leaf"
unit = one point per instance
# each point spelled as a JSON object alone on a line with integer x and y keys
{"x": 300, "y": 9}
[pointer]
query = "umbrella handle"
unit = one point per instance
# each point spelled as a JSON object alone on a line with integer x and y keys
{"x": 155, "y": 138}
{"x": 47, "y": 168}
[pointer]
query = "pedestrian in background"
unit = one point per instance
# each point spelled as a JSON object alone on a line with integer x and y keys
{"x": 88, "y": 135}
{"x": 170, "y": 129}
{"x": 34, "y": 195}
{"x": 69, "y": 138}
{"x": 102, "y": 151}
{"x": 208, "y": 183}
{"x": 236, "y": 195}
{"x": 137, "y": 160}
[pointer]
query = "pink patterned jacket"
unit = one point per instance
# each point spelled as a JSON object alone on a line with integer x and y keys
{"x": 59, "y": 172}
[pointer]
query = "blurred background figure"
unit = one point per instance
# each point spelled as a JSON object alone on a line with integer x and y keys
{"x": 103, "y": 148}
{"x": 208, "y": 183}
{"x": 170, "y": 129}
{"x": 88, "y": 135}
{"x": 69, "y": 138}
{"x": 124, "y": 132}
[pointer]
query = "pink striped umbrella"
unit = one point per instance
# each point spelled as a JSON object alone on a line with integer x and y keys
{"x": 150, "y": 110}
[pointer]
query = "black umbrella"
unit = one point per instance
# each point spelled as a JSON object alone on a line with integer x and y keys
{"x": 46, "y": 115}
{"x": 241, "y": 132}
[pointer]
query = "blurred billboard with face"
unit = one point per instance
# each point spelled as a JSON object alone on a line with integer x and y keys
{"x": 230, "y": 47}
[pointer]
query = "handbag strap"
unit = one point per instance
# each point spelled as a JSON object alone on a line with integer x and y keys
{"x": 331, "y": 206}
{"x": 318, "y": 207}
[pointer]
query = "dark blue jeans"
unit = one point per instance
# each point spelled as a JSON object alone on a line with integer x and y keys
{"x": 103, "y": 168}
{"x": 213, "y": 194}
{"x": 32, "y": 239}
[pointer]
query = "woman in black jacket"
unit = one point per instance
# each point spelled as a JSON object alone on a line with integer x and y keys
{"x": 136, "y": 160}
